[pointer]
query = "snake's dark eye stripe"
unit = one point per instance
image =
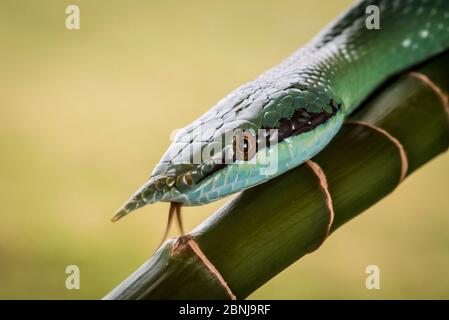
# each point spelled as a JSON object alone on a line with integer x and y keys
{"x": 301, "y": 121}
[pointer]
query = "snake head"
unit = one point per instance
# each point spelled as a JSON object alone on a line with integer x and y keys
{"x": 196, "y": 154}
{"x": 249, "y": 137}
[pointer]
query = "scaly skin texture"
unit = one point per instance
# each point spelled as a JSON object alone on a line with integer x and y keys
{"x": 306, "y": 97}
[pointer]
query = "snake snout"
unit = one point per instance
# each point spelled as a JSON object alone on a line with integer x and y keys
{"x": 152, "y": 191}
{"x": 158, "y": 188}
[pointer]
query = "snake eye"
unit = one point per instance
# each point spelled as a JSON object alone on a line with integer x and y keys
{"x": 245, "y": 146}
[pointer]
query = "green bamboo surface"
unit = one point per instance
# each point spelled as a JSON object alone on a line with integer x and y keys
{"x": 265, "y": 229}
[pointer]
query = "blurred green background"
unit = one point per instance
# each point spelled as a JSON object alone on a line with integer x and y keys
{"x": 86, "y": 114}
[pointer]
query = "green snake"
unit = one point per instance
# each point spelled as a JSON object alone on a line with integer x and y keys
{"x": 292, "y": 111}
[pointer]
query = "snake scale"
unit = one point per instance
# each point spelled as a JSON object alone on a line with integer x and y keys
{"x": 300, "y": 104}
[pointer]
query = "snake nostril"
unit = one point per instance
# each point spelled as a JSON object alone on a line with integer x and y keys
{"x": 185, "y": 180}
{"x": 188, "y": 180}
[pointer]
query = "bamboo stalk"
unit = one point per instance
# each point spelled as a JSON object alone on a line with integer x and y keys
{"x": 265, "y": 229}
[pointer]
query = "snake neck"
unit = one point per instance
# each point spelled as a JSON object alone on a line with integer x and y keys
{"x": 348, "y": 60}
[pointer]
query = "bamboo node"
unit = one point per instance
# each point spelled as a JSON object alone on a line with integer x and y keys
{"x": 183, "y": 241}
{"x": 396, "y": 142}
{"x": 324, "y": 186}
{"x": 179, "y": 244}
{"x": 425, "y": 79}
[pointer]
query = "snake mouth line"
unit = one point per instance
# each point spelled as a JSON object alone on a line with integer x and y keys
{"x": 303, "y": 121}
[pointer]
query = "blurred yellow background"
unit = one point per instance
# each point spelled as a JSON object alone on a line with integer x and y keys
{"x": 86, "y": 114}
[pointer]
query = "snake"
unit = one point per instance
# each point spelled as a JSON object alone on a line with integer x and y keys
{"x": 291, "y": 112}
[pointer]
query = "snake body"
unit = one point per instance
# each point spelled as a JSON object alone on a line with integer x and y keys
{"x": 306, "y": 99}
